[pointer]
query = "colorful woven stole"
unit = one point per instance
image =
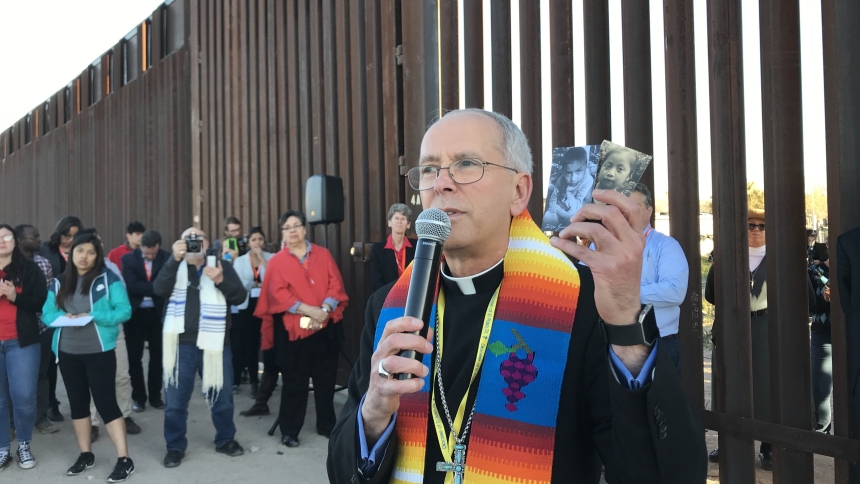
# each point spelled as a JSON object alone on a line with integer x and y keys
{"x": 513, "y": 431}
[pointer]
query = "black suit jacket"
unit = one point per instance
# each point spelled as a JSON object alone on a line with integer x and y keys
{"x": 383, "y": 264}
{"x": 848, "y": 276}
{"x": 596, "y": 415}
{"x": 134, "y": 273}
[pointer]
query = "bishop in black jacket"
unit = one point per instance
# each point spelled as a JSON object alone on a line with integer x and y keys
{"x": 476, "y": 166}
{"x": 139, "y": 270}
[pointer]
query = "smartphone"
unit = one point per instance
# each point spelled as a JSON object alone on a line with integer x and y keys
{"x": 305, "y": 322}
{"x": 211, "y": 261}
{"x": 232, "y": 244}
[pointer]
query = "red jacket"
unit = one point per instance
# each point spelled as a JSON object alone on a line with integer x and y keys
{"x": 288, "y": 282}
{"x": 116, "y": 254}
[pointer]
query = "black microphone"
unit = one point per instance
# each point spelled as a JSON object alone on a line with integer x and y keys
{"x": 432, "y": 226}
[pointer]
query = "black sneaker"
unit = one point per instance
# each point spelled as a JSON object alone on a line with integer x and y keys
{"x": 290, "y": 441}
{"x": 138, "y": 407}
{"x": 54, "y": 414}
{"x": 173, "y": 458}
{"x": 714, "y": 456}
{"x": 256, "y": 410}
{"x": 131, "y": 427}
{"x": 5, "y": 460}
{"x": 232, "y": 448}
{"x": 85, "y": 461}
{"x": 123, "y": 469}
{"x": 25, "y": 456}
{"x": 44, "y": 426}
{"x": 159, "y": 404}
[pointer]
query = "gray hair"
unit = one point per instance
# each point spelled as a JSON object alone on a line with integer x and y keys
{"x": 399, "y": 207}
{"x": 646, "y": 194}
{"x": 515, "y": 146}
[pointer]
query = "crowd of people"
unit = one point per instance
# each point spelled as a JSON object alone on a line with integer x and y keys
{"x": 69, "y": 304}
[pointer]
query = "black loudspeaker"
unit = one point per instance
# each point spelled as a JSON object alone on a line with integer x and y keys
{"x": 324, "y": 199}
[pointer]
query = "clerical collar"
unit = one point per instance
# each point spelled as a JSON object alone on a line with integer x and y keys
{"x": 487, "y": 281}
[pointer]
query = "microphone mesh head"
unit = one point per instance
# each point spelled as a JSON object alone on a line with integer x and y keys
{"x": 433, "y": 223}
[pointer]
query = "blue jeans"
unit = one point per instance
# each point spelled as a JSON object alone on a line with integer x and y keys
{"x": 176, "y": 400}
{"x": 821, "y": 359}
{"x": 19, "y": 377}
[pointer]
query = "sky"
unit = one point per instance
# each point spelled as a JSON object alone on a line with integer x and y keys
{"x": 44, "y": 44}
{"x": 75, "y": 33}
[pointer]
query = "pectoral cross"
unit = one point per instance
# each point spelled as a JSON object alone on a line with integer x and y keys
{"x": 458, "y": 467}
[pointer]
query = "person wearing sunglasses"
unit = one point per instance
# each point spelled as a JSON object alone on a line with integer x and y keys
{"x": 756, "y": 235}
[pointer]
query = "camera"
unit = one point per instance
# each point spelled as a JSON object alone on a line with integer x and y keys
{"x": 193, "y": 243}
{"x": 243, "y": 245}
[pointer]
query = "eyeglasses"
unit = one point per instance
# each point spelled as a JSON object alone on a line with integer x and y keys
{"x": 292, "y": 227}
{"x": 7, "y": 238}
{"x": 463, "y": 172}
{"x": 756, "y": 226}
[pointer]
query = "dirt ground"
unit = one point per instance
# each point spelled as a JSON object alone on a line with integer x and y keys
{"x": 824, "y": 472}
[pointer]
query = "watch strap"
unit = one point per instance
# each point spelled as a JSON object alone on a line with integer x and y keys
{"x": 643, "y": 331}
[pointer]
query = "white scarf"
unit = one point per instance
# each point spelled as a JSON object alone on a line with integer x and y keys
{"x": 210, "y": 335}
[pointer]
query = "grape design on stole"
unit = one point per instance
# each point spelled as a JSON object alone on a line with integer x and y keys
{"x": 517, "y": 371}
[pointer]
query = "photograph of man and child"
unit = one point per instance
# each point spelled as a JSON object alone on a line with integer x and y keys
{"x": 579, "y": 170}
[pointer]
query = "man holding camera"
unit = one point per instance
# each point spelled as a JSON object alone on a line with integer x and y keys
{"x": 195, "y": 336}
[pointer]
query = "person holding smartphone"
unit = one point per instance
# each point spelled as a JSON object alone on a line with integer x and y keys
{"x": 196, "y": 335}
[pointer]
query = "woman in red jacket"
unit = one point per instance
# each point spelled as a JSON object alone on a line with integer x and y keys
{"x": 301, "y": 300}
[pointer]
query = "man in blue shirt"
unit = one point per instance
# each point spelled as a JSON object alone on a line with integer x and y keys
{"x": 664, "y": 276}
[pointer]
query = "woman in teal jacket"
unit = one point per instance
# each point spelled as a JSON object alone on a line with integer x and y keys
{"x": 87, "y": 305}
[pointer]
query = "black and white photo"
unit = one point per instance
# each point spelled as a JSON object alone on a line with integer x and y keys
{"x": 570, "y": 182}
{"x": 620, "y": 168}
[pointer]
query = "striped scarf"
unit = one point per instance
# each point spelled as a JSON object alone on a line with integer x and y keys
{"x": 210, "y": 335}
{"x": 512, "y": 438}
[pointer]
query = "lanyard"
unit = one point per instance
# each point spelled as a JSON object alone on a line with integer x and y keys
{"x": 446, "y": 443}
{"x": 64, "y": 255}
{"x": 305, "y": 264}
{"x": 648, "y": 232}
{"x": 148, "y": 266}
{"x": 256, "y": 273}
{"x": 400, "y": 256}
